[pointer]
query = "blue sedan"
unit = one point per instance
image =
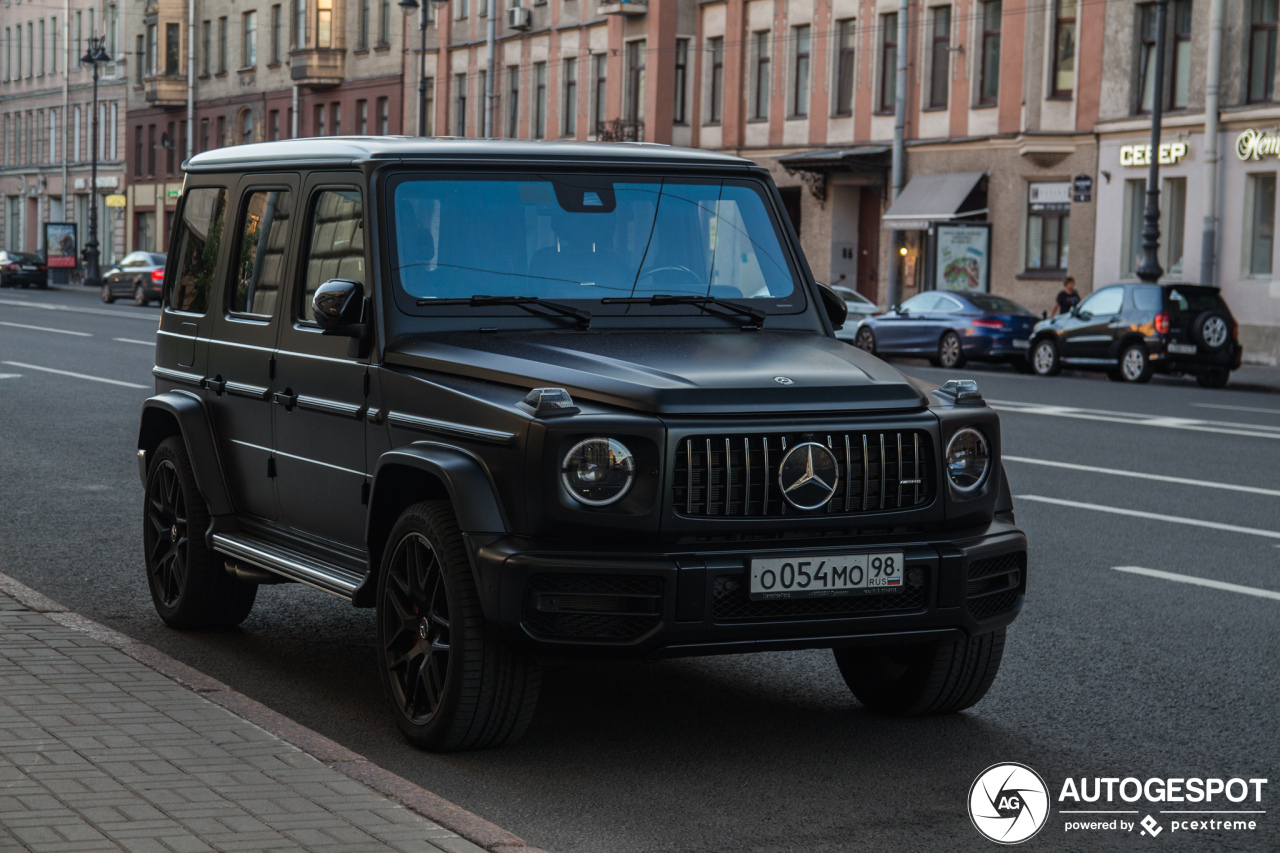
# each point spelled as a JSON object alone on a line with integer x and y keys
{"x": 949, "y": 328}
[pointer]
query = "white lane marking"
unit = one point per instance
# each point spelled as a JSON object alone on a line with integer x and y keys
{"x": 19, "y": 375}
{"x": 1236, "y": 408}
{"x": 46, "y": 329}
{"x": 128, "y": 315}
{"x": 77, "y": 375}
{"x": 1155, "y": 516}
{"x": 132, "y": 341}
{"x": 1184, "y": 481}
{"x": 1171, "y": 576}
{"x": 1137, "y": 419}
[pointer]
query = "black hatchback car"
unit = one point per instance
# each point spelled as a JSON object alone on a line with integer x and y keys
{"x": 534, "y": 401}
{"x": 1133, "y": 331}
{"x": 139, "y": 276}
{"x": 23, "y": 269}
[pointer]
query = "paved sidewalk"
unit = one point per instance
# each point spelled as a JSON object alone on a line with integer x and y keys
{"x": 99, "y": 751}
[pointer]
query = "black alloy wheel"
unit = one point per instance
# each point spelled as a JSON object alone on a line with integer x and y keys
{"x": 951, "y": 352}
{"x": 866, "y": 340}
{"x": 167, "y": 539}
{"x": 416, "y": 631}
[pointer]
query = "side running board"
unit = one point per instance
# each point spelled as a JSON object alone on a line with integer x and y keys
{"x": 325, "y": 576}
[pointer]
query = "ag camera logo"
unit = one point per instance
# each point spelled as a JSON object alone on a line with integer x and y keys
{"x": 1008, "y": 803}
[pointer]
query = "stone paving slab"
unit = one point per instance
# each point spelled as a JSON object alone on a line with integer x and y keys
{"x": 105, "y": 744}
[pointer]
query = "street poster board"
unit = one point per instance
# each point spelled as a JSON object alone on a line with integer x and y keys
{"x": 961, "y": 254}
{"x": 61, "y": 251}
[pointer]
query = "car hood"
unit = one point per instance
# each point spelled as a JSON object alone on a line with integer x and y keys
{"x": 673, "y": 372}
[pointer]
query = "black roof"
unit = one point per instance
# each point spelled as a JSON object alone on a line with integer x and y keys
{"x": 352, "y": 150}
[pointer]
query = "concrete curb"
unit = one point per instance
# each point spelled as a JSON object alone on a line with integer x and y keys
{"x": 433, "y": 807}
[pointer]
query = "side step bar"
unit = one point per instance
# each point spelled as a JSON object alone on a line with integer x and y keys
{"x": 325, "y": 576}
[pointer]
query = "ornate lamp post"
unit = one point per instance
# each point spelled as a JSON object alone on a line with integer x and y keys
{"x": 94, "y": 57}
{"x": 409, "y": 6}
{"x": 1149, "y": 270}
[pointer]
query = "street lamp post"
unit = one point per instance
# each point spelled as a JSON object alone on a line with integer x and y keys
{"x": 1149, "y": 270}
{"x": 409, "y": 6}
{"x": 95, "y": 56}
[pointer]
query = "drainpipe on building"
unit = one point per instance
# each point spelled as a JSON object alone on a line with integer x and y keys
{"x": 293, "y": 125}
{"x": 489, "y": 39}
{"x": 899, "y": 150}
{"x": 191, "y": 77}
{"x": 1209, "y": 238}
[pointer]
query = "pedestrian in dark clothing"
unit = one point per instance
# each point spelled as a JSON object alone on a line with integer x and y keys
{"x": 1067, "y": 298}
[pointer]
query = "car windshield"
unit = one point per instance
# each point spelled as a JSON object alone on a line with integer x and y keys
{"x": 998, "y": 304}
{"x": 586, "y": 237}
{"x": 24, "y": 258}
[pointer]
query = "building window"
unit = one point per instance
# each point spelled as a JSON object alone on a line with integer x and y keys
{"x": 362, "y": 117}
{"x": 384, "y": 115}
{"x": 800, "y": 72}
{"x": 299, "y": 37}
{"x": 40, "y": 66}
{"x": 149, "y": 60}
{"x": 151, "y": 149}
{"x": 1146, "y": 57}
{"x": 760, "y": 43}
{"x": 384, "y": 21}
{"x": 1134, "y": 203}
{"x": 170, "y": 147}
{"x": 324, "y": 23}
{"x": 633, "y": 108}
{"x": 989, "y": 78}
{"x": 539, "y": 100}
{"x": 1181, "y": 79}
{"x": 940, "y": 57}
{"x": 137, "y": 151}
{"x": 172, "y": 49}
{"x": 888, "y": 62}
{"x": 460, "y": 10}
{"x": 1173, "y": 223}
{"x": 846, "y": 34}
{"x": 362, "y": 32}
{"x": 600, "y": 105}
{"x": 1262, "y": 49}
{"x": 204, "y": 134}
{"x": 53, "y": 35}
{"x": 246, "y": 127}
{"x": 141, "y": 51}
{"x": 335, "y": 113}
{"x": 319, "y": 112}
{"x": 680, "y": 110}
{"x": 1260, "y": 225}
{"x": 206, "y": 41}
{"x": 273, "y": 125}
{"x": 430, "y": 107}
{"x": 513, "y": 102}
{"x": 569, "y": 68}
{"x": 1048, "y": 226}
{"x": 460, "y": 105}
{"x": 715, "y": 94}
{"x": 1064, "y": 49}
{"x": 222, "y": 45}
{"x": 277, "y": 25}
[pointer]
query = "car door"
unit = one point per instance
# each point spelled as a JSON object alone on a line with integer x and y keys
{"x": 320, "y": 384}
{"x": 1090, "y": 334}
{"x": 244, "y": 341}
{"x": 902, "y": 330}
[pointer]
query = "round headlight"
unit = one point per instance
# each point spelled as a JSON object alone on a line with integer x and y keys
{"x": 968, "y": 458}
{"x": 598, "y": 471}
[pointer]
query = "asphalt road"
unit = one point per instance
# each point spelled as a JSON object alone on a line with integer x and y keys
{"x": 1107, "y": 673}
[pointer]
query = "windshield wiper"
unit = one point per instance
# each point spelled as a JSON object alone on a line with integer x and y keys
{"x": 528, "y": 303}
{"x": 755, "y": 314}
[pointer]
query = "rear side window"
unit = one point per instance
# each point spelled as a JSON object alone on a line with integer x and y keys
{"x": 264, "y": 236}
{"x": 203, "y": 217}
{"x": 1147, "y": 299}
{"x": 336, "y": 248}
{"x": 1196, "y": 300}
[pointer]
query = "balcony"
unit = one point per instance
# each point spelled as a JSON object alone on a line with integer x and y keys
{"x": 318, "y": 67}
{"x": 166, "y": 90}
{"x": 620, "y": 130}
{"x": 625, "y": 7}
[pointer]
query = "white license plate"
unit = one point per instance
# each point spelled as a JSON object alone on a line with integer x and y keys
{"x": 824, "y": 577}
{"x": 1183, "y": 349}
{"x": 31, "y": 269}
{"x": 1021, "y": 343}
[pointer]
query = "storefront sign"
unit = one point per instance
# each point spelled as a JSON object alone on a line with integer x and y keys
{"x": 1051, "y": 198}
{"x": 961, "y": 255}
{"x": 116, "y": 200}
{"x": 1082, "y": 188}
{"x": 1254, "y": 144}
{"x": 60, "y": 245}
{"x": 1140, "y": 155}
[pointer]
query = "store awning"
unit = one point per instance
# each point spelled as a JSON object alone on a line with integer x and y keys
{"x": 943, "y": 196}
{"x": 813, "y": 167}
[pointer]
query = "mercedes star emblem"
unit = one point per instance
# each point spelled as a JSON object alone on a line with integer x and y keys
{"x": 783, "y": 380}
{"x": 809, "y": 474}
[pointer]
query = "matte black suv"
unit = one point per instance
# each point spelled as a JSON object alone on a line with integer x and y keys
{"x": 1133, "y": 331}
{"x": 533, "y": 401}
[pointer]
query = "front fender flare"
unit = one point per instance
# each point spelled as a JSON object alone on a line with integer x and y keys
{"x": 159, "y": 416}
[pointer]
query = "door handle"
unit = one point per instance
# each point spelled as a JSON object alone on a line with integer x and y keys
{"x": 216, "y": 385}
{"x": 286, "y": 398}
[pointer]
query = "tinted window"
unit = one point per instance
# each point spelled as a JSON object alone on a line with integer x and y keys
{"x": 1194, "y": 299}
{"x": 203, "y": 216}
{"x": 264, "y": 235}
{"x": 337, "y": 242}
{"x": 157, "y": 260}
{"x": 586, "y": 238}
{"x": 1104, "y": 302}
{"x": 919, "y": 304}
{"x": 1147, "y": 299}
{"x": 998, "y": 304}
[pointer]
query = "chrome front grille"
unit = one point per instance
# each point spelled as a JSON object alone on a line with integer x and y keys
{"x": 736, "y": 476}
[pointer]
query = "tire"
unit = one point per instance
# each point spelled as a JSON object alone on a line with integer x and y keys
{"x": 865, "y": 340}
{"x": 1134, "y": 364}
{"x": 1216, "y": 378}
{"x": 189, "y": 583}
{"x": 139, "y": 296}
{"x": 951, "y": 352}
{"x": 912, "y": 680}
{"x": 107, "y": 297}
{"x": 467, "y": 689}
{"x": 1044, "y": 358}
{"x": 1212, "y": 330}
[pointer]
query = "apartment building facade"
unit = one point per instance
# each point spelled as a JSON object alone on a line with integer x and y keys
{"x": 46, "y": 122}
{"x": 1243, "y": 260}
{"x": 262, "y": 71}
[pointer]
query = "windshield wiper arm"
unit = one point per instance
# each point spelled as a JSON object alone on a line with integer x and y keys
{"x": 528, "y": 303}
{"x": 755, "y": 314}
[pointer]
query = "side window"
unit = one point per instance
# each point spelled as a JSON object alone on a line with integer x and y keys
{"x": 264, "y": 236}
{"x": 1146, "y": 299}
{"x": 336, "y": 247}
{"x": 920, "y": 304}
{"x": 946, "y": 305}
{"x": 203, "y": 216}
{"x": 1104, "y": 302}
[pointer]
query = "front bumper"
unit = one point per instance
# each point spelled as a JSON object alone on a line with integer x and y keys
{"x": 670, "y": 603}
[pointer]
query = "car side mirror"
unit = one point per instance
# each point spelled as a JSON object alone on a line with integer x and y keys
{"x": 1075, "y": 311}
{"x": 338, "y": 303}
{"x": 896, "y": 309}
{"x": 836, "y": 310}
